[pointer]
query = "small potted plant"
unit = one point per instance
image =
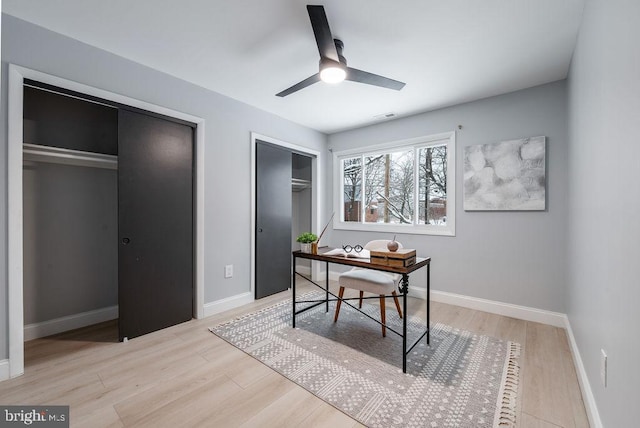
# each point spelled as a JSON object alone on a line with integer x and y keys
{"x": 305, "y": 240}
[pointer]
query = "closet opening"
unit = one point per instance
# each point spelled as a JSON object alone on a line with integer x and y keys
{"x": 95, "y": 171}
{"x": 195, "y": 171}
{"x": 301, "y": 205}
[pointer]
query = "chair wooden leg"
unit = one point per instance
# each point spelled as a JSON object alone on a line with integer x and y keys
{"x": 340, "y": 294}
{"x": 360, "y": 302}
{"x": 383, "y": 315}
{"x": 395, "y": 299}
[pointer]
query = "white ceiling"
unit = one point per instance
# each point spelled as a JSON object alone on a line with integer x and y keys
{"x": 447, "y": 51}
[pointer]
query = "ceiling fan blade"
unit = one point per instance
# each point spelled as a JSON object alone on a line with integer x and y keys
{"x": 321, "y": 30}
{"x": 300, "y": 85}
{"x": 360, "y": 76}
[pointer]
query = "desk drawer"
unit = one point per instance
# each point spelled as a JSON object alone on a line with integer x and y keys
{"x": 389, "y": 261}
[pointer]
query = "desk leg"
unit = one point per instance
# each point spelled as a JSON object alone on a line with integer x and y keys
{"x": 293, "y": 293}
{"x": 404, "y": 289}
{"x": 327, "y": 286}
{"x": 428, "y": 301}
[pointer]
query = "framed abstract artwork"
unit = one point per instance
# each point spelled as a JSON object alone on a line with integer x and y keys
{"x": 505, "y": 176}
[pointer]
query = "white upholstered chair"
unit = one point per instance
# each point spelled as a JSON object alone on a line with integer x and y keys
{"x": 371, "y": 281}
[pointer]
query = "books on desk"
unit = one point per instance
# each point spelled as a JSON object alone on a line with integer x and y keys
{"x": 364, "y": 254}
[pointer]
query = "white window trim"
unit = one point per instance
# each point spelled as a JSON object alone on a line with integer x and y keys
{"x": 412, "y": 229}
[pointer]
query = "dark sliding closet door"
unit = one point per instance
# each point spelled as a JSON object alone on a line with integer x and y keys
{"x": 155, "y": 215}
{"x": 273, "y": 219}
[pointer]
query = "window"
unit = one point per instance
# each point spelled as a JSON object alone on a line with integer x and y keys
{"x": 402, "y": 187}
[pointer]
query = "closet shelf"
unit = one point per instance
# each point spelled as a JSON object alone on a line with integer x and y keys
{"x": 38, "y": 153}
{"x": 298, "y": 184}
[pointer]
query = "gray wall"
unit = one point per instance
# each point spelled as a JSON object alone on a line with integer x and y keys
{"x": 70, "y": 240}
{"x": 604, "y": 203}
{"x": 514, "y": 257}
{"x": 227, "y": 143}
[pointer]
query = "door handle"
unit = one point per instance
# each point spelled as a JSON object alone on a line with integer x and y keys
{"x": 125, "y": 241}
{"x": 259, "y": 229}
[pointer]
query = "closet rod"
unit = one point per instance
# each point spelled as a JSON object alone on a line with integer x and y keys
{"x": 299, "y": 184}
{"x": 38, "y": 153}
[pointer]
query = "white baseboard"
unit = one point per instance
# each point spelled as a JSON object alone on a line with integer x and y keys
{"x": 232, "y": 302}
{"x": 4, "y": 370}
{"x": 583, "y": 380}
{"x": 526, "y": 313}
{"x": 333, "y": 276}
{"x": 555, "y": 319}
{"x": 70, "y": 322}
{"x": 305, "y": 270}
{"x": 321, "y": 274}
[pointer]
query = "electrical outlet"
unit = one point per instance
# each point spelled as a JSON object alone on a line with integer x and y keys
{"x": 603, "y": 367}
{"x": 228, "y": 271}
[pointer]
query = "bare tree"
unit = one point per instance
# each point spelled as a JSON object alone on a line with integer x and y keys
{"x": 435, "y": 169}
{"x": 403, "y": 185}
{"x": 352, "y": 176}
{"x": 433, "y": 176}
{"x": 389, "y": 183}
{"x": 352, "y": 173}
{"x": 374, "y": 170}
{"x": 395, "y": 211}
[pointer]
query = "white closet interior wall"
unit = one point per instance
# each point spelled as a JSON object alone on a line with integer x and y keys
{"x": 301, "y": 205}
{"x": 70, "y": 240}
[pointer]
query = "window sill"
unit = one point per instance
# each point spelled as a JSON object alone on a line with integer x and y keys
{"x": 407, "y": 229}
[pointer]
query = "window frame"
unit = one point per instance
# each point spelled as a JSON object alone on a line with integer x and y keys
{"x": 446, "y": 138}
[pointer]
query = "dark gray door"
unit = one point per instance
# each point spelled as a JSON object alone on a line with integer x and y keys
{"x": 155, "y": 222}
{"x": 273, "y": 219}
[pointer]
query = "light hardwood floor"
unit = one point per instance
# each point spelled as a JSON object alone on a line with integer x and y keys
{"x": 185, "y": 376}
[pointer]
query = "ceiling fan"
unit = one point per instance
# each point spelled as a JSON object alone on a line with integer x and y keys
{"x": 333, "y": 65}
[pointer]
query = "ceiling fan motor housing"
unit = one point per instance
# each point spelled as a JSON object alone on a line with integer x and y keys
{"x": 327, "y": 62}
{"x": 339, "y": 47}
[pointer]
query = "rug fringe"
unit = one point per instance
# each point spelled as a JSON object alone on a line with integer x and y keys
{"x": 506, "y": 408}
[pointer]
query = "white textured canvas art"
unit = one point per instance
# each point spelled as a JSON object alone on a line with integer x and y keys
{"x": 505, "y": 176}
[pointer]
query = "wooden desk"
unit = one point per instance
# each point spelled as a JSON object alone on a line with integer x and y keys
{"x": 403, "y": 288}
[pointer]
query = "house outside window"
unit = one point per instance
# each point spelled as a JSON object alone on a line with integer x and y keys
{"x": 402, "y": 187}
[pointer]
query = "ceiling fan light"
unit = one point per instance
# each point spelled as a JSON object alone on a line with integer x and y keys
{"x": 332, "y": 74}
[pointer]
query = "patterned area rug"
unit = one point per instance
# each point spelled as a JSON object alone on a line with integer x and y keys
{"x": 460, "y": 380}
